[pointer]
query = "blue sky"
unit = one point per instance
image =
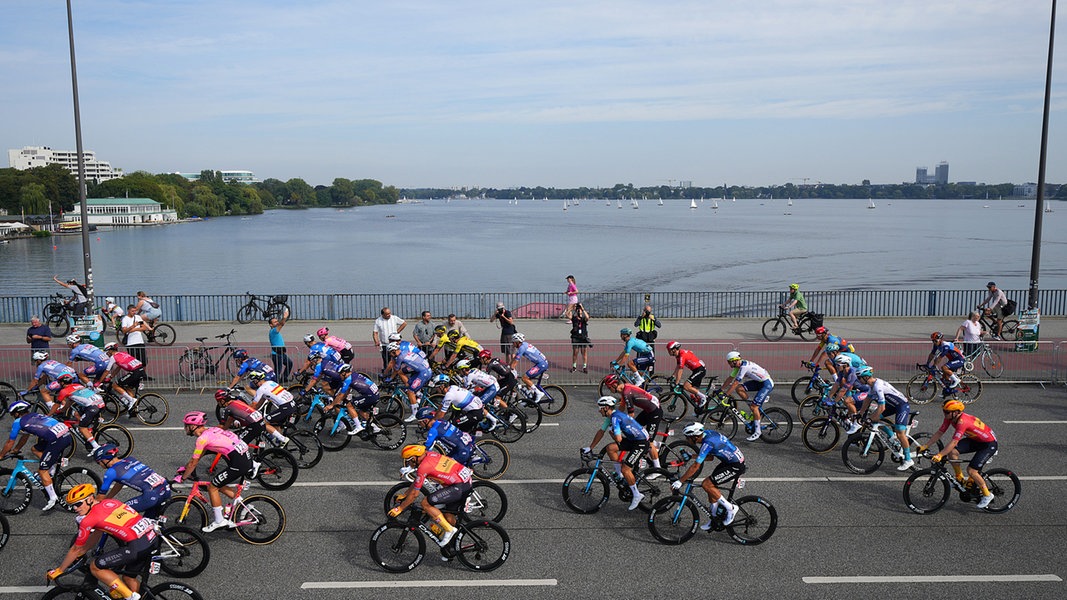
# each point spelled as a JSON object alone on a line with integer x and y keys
{"x": 557, "y": 93}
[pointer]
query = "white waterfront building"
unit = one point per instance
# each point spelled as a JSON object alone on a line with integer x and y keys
{"x": 227, "y": 176}
{"x": 123, "y": 211}
{"x": 30, "y": 157}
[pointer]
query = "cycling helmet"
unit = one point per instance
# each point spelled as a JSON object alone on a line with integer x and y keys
{"x": 18, "y": 406}
{"x": 345, "y": 369}
{"x": 256, "y": 376}
{"x": 323, "y": 332}
{"x": 841, "y": 359}
{"x": 73, "y": 338}
{"x": 453, "y": 335}
{"x": 611, "y": 380}
{"x": 952, "y": 406}
{"x": 440, "y": 329}
{"x": 439, "y": 379}
{"x": 80, "y": 492}
{"x": 412, "y": 451}
{"x": 394, "y": 337}
{"x": 991, "y": 284}
{"x": 392, "y": 347}
{"x": 105, "y": 452}
{"x": 485, "y": 355}
{"x": 240, "y": 354}
{"x": 108, "y": 347}
{"x": 463, "y": 365}
{"x": 608, "y": 401}
{"x": 732, "y": 356}
{"x": 693, "y": 429}
{"x": 518, "y": 337}
{"x": 110, "y": 299}
{"x": 832, "y": 348}
{"x": 221, "y": 395}
{"x": 936, "y": 336}
{"x": 865, "y": 372}
{"x": 426, "y": 412}
{"x": 626, "y": 331}
{"x": 40, "y": 356}
{"x": 195, "y": 418}
{"x": 308, "y": 338}
{"x": 673, "y": 345}
{"x": 65, "y": 379}
{"x": 794, "y": 286}
{"x": 820, "y": 330}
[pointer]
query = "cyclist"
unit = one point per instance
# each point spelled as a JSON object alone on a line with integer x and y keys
{"x": 443, "y": 343}
{"x": 230, "y": 447}
{"x": 130, "y": 382}
{"x": 539, "y": 367}
{"x": 53, "y": 437}
{"x": 46, "y": 377}
{"x": 629, "y": 446}
{"x": 247, "y": 364}
{"x": 358, "y": 395}
{"x": 135, "y": 535}
{"x": 469, "y": 408}
{"x": 847, "y": 387}
{"x": 993, "y": 306}
{"x": 731, "y": 466}
{"x": 405, "y": 346}
{"x": 945, "y": 356}
{"x": 148, "y": 309}
{"x": 466, "y": 348}
{"x": 634, "y": 398}
{"x": 854, "y": 360}
{"x": 85, "y": 401}
{"x": 329, "y": 357}
{"x": 646, "y": 358}
{"x": 457, "y": 445}
{"x": 452, "y": 475}
{"x": 236, "y": 412}
{"x": 749, "y": 377}
{"x": 971, "y": 435}
{"x": 481, "y": 383}
{"x": 341, "y": 345}
{"x": 890, "y": 402}
{"x": 89, "y": 353}
{"x": 129, "y": 472}
{"x": 413, "y": 370}
{"x": 324, "y": 375}
{"x": 274, "y": 401}
{"x": 825, "y": 338}
{"x": 796, "y": 305}
{"x": 688, "y": 360}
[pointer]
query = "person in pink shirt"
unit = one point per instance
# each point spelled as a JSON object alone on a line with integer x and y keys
{"x": 572, "y": 297}
{"x": 337, "y": 343}
{"x": 227, "y": 444}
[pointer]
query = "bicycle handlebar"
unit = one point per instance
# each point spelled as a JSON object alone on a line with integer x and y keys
{"x": 225, "y": 335}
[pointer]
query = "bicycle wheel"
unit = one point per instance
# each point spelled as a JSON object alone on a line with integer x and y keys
{"x": 531, "y": 410}
{"x": 490, "y": 459}
{"x": 776, "y": 424}
{"x": 807, "y": 332}
{"x": 555, "y": 400}
{"x": 586, "y": 490}
{"x": 193, "y": 366}
{"x": 277, "y": 469}
{"x": 863, "y": 452}
{"x": 275, "y": 310}
{"x": 821, "y": 435}
{"x": 394, "y": 497}
{"x": 392, "y": 434}
{"x": 68, "y": 479}
{"x": 151, "y": 409}
{"x": 1010, "y": 330}
{"x": 110, "y": 413}
{"x": 172, "y": 590}
{"x": 18, "y": 498}
{"x": 920, "y": 390}
{"x": 183, "y": 552}
{"x": 992, "y": 364}
{"x": 59, "y": 325}
{"x": 57, "y": 593}
{"x": 397, "y": 547}
{"x": 118, "y": 435}
{"x": 486, "y": 501}
{"x": 801, "y": 388}
{"x": 1005, "y": 487}
{"x": 305, "y": 448}
{"x": 674, "y": 520}
{"x": 969, "y": 389}
{"x": 677, "y": 457}
{"x": 332, "y": 441}
{"x": 774, "y": 329}
{"x": 247, "y": 313}
{"x": 722, "y": 420}
{"x": 754, "y": 522}
{"x": 5, "y": 531}
{"x": 811, "y": 407}
{"x": 8, "y": 394}
{"x": 926, "y": 491}
{"x": 194, "y": 519}
{"x": 603, "y": 389}
{"x": 512, "y": 426}
{"x": 482, "y": 546}
{"x": 674, "y": 407}
{"x": 391, "y": 406}
{"x": 163, "y": 335}
{"x": 260, "y": 520}
{"x": 655, "y": 484}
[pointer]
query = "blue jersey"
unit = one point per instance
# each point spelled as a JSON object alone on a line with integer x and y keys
{"x": 407, "y": 347}
{"x": 332, "y": 358}
{"x": 133, "y": 473}
{"x": 530, "y": 352}
{"x": 448, "y": 434}
{"x": 715, "y": 444}
{"x": 254, "y": 364}
{"x": 626, "y": 426}
{"x": 412, "y": 362}
{"x": 89, "y": 353}
{"x": 328, "y": 376}
{"x": 947, "y": 349}
{"x": 45, "y": 428}
{"x": 640, "y": 346}
{"x": 849, "y": 382}
{"x": 53, "y": 369}
{"x": 359, "y": 385}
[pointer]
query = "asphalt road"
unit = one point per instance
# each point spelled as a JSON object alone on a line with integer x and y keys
{"x": 832, "y": 524}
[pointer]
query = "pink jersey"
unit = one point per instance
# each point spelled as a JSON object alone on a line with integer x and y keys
{"x": 219, "y": 441}
{"x": 337, "y": 343}
{"x": 125, "y": 361}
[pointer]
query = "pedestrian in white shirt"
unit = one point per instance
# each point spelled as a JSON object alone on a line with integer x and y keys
{"x": 385, "y": 325}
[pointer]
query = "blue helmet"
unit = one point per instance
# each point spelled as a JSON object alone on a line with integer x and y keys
{"x": 105, "y": 452}
{"x": 240, "y": 354}
{"x": 833, "y": 348}
{"x": 426, "y": 412}
{"x": 440, "y": 379}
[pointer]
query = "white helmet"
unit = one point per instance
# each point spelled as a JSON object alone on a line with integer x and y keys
{"x": 733, "y": 355}
{"x": 518, "y": 337}
{"x": 110, "y": 299}
{"x": 693, "y": 429}
{"x": 394, "y": 337}
{"x": 608, "y": 401}
{"x": 843, "y": 360}
{"x": 74, "y": 338}
{"x": 463, "y": 364}
{"x": 392, "y": 346}
{"x": 40, "y": 356}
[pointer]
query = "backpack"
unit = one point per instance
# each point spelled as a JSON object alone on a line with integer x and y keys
{"x": 1009, "y": 308}
{"x": 816, "y": 320}
{"x": 153, "y": 303}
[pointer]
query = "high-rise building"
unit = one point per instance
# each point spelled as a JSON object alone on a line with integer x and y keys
{"x": 920, "y": 175}
{"x": 940, "y": 174}
{"x": 40, "y": 156}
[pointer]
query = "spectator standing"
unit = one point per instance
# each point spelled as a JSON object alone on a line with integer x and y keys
{"x": 580, "y": 343}
{"x": 455, "y": 324}
{"x": 507, "y": 329}
{"x": 572, "y": 297}
{"x": 38, "y": 335}
{"x": 970, "y": 332}
{"x": 81, "y": 295}
{"x": 283, "y": 365}
{"x": 386, "y": 324}
{"x": 646, "y": 325}
{"x": 134, "y": 326}
{"x": 423, "y": 333}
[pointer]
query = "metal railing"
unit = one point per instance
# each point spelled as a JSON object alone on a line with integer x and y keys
{"x": 533, "y": 305}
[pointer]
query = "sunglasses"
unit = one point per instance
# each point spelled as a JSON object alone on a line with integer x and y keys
{"x": 77, "y": 504}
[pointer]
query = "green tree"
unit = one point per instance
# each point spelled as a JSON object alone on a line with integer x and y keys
{"x": 32, "y": 199}
{"x": 300, "y": 193}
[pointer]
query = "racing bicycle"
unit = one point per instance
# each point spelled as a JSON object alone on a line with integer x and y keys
{"x": 675, "y": 520}
{"x": 587, "y": 489}
{"x": 923, "y": 387}
{"x": 926, "y": 491}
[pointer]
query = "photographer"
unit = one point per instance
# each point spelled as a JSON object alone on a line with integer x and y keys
{"x": 646, "y": 325}
{"x": 507, "y": 329}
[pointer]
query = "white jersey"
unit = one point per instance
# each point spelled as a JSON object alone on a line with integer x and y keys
{"x": 478, "y": 378}
{"x": 750, "y": 371}
{"x": 881, "y": 388}
{"x": 278, "y": 395}
{"x": 460, "y": 399}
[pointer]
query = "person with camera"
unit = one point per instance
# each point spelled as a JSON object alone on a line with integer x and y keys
{"x": 507, "y": 329}
{"x": 646, "y": 325}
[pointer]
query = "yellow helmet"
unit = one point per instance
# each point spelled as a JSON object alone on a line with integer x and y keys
{"x": 80, "y": 492}
{"x": 952, "y": 406}
{"x": 794, "y": 286}
{"x": 412, "y": 451}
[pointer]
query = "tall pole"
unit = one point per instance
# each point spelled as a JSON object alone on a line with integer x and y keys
{"x": 1035, "y": 257}
{"x": 87, "y": 261}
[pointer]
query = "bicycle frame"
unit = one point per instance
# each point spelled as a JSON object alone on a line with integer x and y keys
{"x": 713, "y": 516}
{"x": 237, "y": 503}
{"x": 20, "y": 468}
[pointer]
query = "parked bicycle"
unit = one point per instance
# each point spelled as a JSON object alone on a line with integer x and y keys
{"x": 258, "y": 519}
{"x": 926, "y": 491}
{"x": 587, "y": 489}
{"x": 724, "y": 416}
{"x": 675, "y": 520}
{"x": 263, "y": 307}
{"x": 17, "y": 484}
{"x": 59, "y": 312}
{"x": 809, "y": 384}
{"x": 923, "y": 388}
{"x": 987, "y": 357}
{"x": 775, "y": 328}
{"x": 199, "y": 363}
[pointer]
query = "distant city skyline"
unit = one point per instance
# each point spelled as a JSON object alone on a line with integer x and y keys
{"x": 555, "y": 93}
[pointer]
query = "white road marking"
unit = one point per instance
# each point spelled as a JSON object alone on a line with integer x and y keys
{"x": 145, "y": 428}
{"x": 1037, "y": 422}
{"x": 27, "y": 589}
{"x": 393, "y": 583}
{"x": 1048, "y": 577}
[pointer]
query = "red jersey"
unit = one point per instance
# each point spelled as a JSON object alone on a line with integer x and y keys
{"x": 117, "y": 520}
{"x": 441, "y": 469}
{"x": 636, "y": 397}
{"x": 971, "y": 427}
{"x": 126, "y": 361}
{"x": 689, "y": 360}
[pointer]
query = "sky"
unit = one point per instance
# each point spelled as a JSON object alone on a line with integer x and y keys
{"x": 499, "y": 93}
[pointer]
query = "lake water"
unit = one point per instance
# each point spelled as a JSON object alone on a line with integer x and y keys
{"x": 492, "y": 245}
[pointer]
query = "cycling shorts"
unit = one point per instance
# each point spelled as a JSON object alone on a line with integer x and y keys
{"x": 650, "y": 418}
{"x": 901, "y": 415}
{"x": 278, "y": 415}
{"x": 53, "y": 386}
{"x": 131, "y": 380}
{"x": 536, "y": 370}
{"x": 467, "y": 421}
{"x": 95, "y": 371}
{"x": 645, "y": 360}
{"x": 983, "y": 451}
{"x": 726, "y": 472}
{"x": 364, "y": 402}
{"x": 697, "y": 376}
{"x": 762, "y": 389}
{"x": 488, "y": 394}
{"x": 150, "y": 503}
{"x": 250, "y": 432}
{"x": 347, "y": 354}
{"x": 52, "y": 452}
{"x": 417, "y": 381}
{"x": 238, "y": 467}
{"x": 130, "y": 558}
{"x": 89, "y": 415}
{"x": 634, "y": 451}
{"x": 955, "y": 364}
{"x": 450, "y": 497}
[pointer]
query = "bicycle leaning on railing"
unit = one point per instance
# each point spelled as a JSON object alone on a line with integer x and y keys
{"x": 263, "y": 307}
{"x": 198, "y": 363}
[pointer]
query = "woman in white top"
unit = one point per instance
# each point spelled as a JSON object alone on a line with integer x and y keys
{"x": 970, "y": 333}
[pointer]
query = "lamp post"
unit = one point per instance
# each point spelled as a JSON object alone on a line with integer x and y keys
{"x": 1035, "y": 257}
{"x": 87, "y": 261}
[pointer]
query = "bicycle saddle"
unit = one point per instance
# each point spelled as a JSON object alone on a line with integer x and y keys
{"x": 201, "y": 339}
